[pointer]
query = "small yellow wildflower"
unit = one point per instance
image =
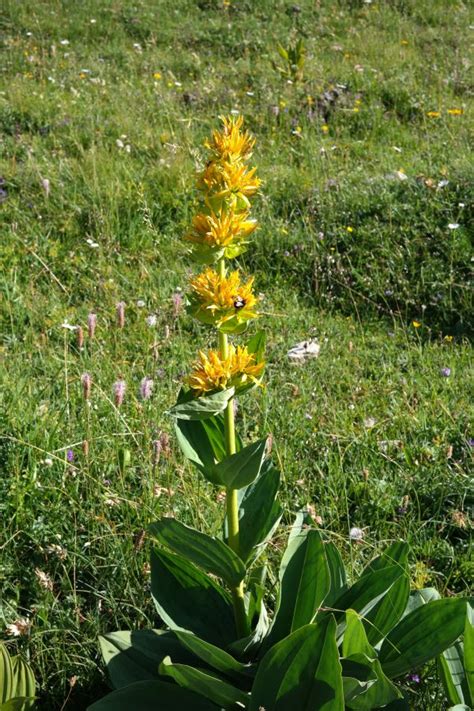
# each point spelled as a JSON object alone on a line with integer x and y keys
{"x": 221, "y": 234}
{"x": 157, "y": 75}
{"x": 416, "y": 324}
{"x": 355, "y": 109}
{"x": 448, "y": 339}
{"x": 358, "y": 102}
{"x": 282, "y": 104}
{"x": 230, "y": 143}
{"x": 404, "y": 42}
{"x": 213, "y": 372}
{"x": 455, "y": 112}
{"x": 309, "y": 100}
{"x": 224, "y": 302}
{"x": 350, "y": 229}
{"x": 433, "y": 114}
{"x": 325, "y": 128}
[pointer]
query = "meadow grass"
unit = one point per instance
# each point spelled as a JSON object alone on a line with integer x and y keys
{"x": 364, "y": 244}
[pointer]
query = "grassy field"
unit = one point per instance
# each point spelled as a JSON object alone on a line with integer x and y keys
{"x": 364, "y": 244}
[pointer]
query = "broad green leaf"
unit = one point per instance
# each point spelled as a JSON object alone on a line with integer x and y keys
{"x": 422, "y": 635}
{"x": 135, "y": 655}
{"x": 19, "y": 703}
{"x": 242, "y": 468}
{"x": 469, "y": 654}
{"x": 200, "y": 408}
{"x": 210, "y": 654}
{"x": 204, "y": 683}
{"x": 365, "y": 595}
{"x": 460, "y": 707}
{"x": 304, "y": 584}
{"x": 187, "y": 599}
{"x": 256, "y": 345}
{"x": 396, "y": 553}
{"x": 282, "y": 52}
{"x": 208, "y": 553}
{"x": 24, "y": 684}
{"x": 203, "y": 443}
{"x": 451, "y": 671}
{"x": 301, "y": 672}
{"x": 418, "y": 598}
{"x": 337, "y": 573}
{"x": 147, "y": 695}
{"x": 379, "y": 691}
{"x": 388, "y": 611}
{"x": 259, "y": 512}
{"x": 6, "y": 675}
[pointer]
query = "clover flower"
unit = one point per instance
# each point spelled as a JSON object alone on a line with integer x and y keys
{"x": 239, "y": 369}
{"x": 223, "y": 302}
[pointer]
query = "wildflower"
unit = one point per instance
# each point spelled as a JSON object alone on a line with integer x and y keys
{"x": 46, "y": 186}
{"x": 86, "y": 381}
{"x": 230, "y": 143}
{"x": 119, "y": 389}
{"x": 18, "y": 628}
{"x": 156, "y": 451}
{"x": 91, "y": 324}
{"x": 433, "y": 114}
{"x": 416, "y": 324}
{"x": 44, "y": 580}
{"x": 146, "y": 388}
{"x": 228, "y": 182}
{"x": 356, "y": 534}
{"x": 455, "y": 112}
{"x": 80, "y": 337}
{"x": 325, "y": 128}
{"x": 470, "y": 442}
{"x": 151, "y": 320}
{"x": 177, "y": 299}
{"x": 156, "y": 75}
{"x": 415, "y": 678}
{"x": 70, "y": 455}
{"x": 220, "y": 234}
{"x": 213, "y": 372}
{"x": 350, "y": 229}
{"x": 453, "y": 226}
{"x": 225, "y": 302}
{"x": 445, "y": 372}
{"x": 120, "y": 314}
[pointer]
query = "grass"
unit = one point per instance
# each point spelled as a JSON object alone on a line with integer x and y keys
{"x": 110, "y": 103}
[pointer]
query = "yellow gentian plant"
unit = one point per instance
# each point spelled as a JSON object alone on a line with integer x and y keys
{"x": 325, "y": 643}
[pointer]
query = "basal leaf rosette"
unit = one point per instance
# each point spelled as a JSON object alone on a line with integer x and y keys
{"x": 227, "y": 303}
{"x": 212, "y": 372}
{"x": 221, "y": 234}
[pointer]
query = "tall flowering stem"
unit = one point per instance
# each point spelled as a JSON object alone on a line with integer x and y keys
{"x": 219, "y": 233}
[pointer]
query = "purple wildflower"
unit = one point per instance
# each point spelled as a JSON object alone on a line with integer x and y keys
{"x": 86, "y": 381}
{"x": 177, "y": 303}
{"x": 91, "y": 324}
{"x": 119, "y": 392}
{"x": 70, "y": 455}
{"x": 415, "y": 678}
{"x": 146, "y": 388}
{"x": 445, "y": 372}
{"x": 470, "y": 442}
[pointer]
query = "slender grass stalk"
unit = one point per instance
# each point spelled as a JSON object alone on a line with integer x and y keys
{"x": 232, "y": 506}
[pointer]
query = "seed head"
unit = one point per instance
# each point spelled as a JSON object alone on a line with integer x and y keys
{"x": 121, "y": 314}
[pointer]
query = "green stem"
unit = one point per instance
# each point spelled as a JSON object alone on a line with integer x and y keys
{"x": 232, "y": 505}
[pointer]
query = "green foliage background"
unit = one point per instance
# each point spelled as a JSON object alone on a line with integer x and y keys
{"x": 361, "y": 184}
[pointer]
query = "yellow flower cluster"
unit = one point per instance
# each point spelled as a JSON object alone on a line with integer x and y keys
{"x": 214, "y": 372}
{"x": 224, "y": 302}
{"x": 221, "y": 230}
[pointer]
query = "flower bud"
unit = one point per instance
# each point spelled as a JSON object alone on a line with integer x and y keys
{"x": 86, "y": 381}
{"x": 119, "y": 392}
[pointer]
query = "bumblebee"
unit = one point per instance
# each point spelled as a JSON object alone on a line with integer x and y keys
{"x": 239, "y": 303}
